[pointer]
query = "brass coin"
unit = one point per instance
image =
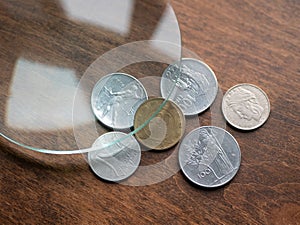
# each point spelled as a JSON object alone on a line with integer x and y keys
{"x": 165, "y": 129}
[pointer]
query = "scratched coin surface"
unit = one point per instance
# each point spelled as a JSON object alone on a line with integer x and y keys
{"x": 191, "y": 84}
{"x": 165, "y": 129}
{"x": 246, "y": 106}
{"x": 118, "y": 161}
{"x": 115, "y": 99}
{"x": 209, "y": 156}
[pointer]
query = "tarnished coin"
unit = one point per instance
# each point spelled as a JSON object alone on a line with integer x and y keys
{"x": 166, "y": 127}
{"x": 118, "y": 161}
{"x": 115, "y": 99}
{"x": 191, "y": 84}
{"x": 246, "y": 106}
{"x": 209, "y": 156}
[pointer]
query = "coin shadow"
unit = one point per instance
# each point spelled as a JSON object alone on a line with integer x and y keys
{"x": 99, "y": 178}
{"x": 199, "y": 114}
{"x": 245, "y": 131}
{"x": 207, "y": 189}
{"x": 240, "y": 130}
{"x": 107, "y": 181}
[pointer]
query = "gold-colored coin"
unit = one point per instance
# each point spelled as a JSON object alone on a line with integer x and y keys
{"x": 165, "y": 129}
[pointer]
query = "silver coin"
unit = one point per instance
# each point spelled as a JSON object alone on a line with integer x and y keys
{"x": 246, "y": 106}
{"x": 115, "y": 99}
{"x": 196, "y": 85}
{"x": 118, "y": 161}
{"x": 209, "y": 156}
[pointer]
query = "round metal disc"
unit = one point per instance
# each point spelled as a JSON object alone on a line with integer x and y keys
{"x": 118, "y": 161}
{"x": 246, "y": 106}
{"x": 115, "y": 99}
{"x": 209, "y": 156}
{"x": 196, "y": 85}
{"x": 165, "y": 129}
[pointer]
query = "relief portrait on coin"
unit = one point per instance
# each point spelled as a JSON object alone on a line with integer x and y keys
{"x": 208, "y": 159}
{"x": 244, "y": 103}
{"x": 124, "y": 99}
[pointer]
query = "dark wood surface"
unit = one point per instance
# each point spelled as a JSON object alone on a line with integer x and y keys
{"x": 243, "y": 41}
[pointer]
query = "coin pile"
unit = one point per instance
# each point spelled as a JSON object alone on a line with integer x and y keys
{"x": 209, "y": 156}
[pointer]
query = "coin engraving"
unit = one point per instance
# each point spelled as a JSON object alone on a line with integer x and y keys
{"x": 183, "y": 78}
{"x": 165, "y": 129}
{"x": 115, "y": 162}
{"x": 195, "y": 85}
{"x": 115, "y": 99}
{"x": 209, "y": 156}
{"x": 245, "y": 106}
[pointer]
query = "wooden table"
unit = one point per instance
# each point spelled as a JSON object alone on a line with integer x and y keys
{"x": 243, "y": 41}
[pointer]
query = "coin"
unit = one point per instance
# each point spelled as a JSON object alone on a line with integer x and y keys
{"x": 166, "y": 127}
{"x": 115, "y": 99}
{"x": 118, "y": 161}
{"x": 191, "y": 84}
{"x": 209, "y": 156}
{"x": 246, "y": 106}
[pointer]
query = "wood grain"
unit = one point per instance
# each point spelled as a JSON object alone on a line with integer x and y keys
{"x": 243, "y": 42}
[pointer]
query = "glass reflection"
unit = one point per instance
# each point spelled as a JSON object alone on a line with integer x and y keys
{"x": 47, "y": 46}
{"x": 164, "y": 31}
{"x": 41, "y": 97}
{"x": 114, "y": 15}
